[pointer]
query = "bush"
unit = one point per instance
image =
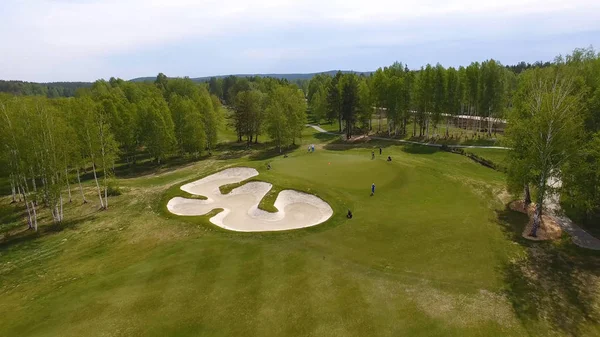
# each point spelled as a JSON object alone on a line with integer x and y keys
{"x": 113, "y": 189}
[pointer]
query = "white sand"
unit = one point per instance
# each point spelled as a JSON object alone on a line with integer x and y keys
{"x": 240, "y": 206}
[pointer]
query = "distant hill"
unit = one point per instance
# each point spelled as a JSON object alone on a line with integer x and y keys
{"x": 289, "y": 77}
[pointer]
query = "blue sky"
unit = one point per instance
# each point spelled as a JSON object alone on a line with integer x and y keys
{"x": 83, "y": 40}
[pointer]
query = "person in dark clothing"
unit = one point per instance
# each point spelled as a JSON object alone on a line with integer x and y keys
{"x": 379, "y": 151}
{"x": 349, "y": 215}
{"x": 372, "y": 154}
{"x": 373, "y": 189}
{"x": 389, "y": 158}
{"x": 268, "y": 166}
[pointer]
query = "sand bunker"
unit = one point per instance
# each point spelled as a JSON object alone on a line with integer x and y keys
{"x": 240, "y": 206}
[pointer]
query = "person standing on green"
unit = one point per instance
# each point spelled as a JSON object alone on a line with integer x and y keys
{"x": 373, "y": 189}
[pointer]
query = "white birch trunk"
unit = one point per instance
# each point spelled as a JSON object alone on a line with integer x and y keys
{"x": 68, "y": 184}
{"x": 33, "y": 182}
{"x": 44, "y": 184}
{"x": 60, "y": 219}
{"x": 56, "y": 213}
{"x": 105, "y": 194}
{"x": 29, "y": 223}
{"x": 35, "y": 224}
{"x": 98, "y": 186}
{"x": 80, "y": 187}
{"x": 13, "y": 190}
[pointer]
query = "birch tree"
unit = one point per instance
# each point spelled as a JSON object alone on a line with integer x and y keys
{"x": 543, "y": 130}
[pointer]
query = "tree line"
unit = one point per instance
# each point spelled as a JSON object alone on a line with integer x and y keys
{"x": 48, "y": 143}
{"x": 426, "y": 97}
{"x": 50, "y": 90}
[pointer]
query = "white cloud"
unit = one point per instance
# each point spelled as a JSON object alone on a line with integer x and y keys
{"x": 42, "y": 35}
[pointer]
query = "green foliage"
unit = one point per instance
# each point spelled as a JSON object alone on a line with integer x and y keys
{"x": 285, "y": 115}
{"x": 248, "y": 114}
{"x": 318, "y": 104}
{"x": 188, "y": 124}
{"x": 334, "y": 100}
{"x": 215, "y": 87}
{"x": 113, "y": 188}
{"x": 543, "y": 129}
{"x": 581, "y": 182}
{"x": 439, "y": 94}
{"x": 365, "y": 103}
{"x": 50, "y": 90}
{"x": 350, "y": 101}
{"x": 157, "y": 125}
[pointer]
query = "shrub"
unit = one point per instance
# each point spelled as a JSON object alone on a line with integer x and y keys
{"x": 113, "y": 188}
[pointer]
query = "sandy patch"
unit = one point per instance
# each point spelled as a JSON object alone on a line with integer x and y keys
{"x": 548, "y": 230}
{"x": 240, "y": 206}
{"x": 464, "y": 310}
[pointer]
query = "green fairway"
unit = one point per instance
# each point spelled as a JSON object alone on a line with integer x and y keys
{"x": 427, "y": 255}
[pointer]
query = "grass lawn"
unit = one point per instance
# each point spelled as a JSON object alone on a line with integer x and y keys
{"x": 433, "y": 253}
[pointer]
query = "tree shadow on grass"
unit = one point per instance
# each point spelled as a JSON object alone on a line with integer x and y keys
{"x": 419, "y": 149}
{"x": 326, "y": 137}
{"x": 512, "y": 224}
{"x": 272, "y": 152}
{"x": 233, "y": 154}
{"x": 150, "y": 166}
{"x": 10, "y": 216}
{"x": 23, "y": 234}
{"x": 554, "y": 285}
{"x": 371, "y": 144}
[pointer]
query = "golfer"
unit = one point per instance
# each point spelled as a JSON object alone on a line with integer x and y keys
{"x": 372, "y": 155}
{"x": 379, "y": 151}
{"x": 373, "y": 189}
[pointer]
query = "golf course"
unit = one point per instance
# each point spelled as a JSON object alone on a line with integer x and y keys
{"x": 434, "y": 252}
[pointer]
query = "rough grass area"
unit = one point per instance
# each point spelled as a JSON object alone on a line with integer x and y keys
{"x": 433, "y": 253}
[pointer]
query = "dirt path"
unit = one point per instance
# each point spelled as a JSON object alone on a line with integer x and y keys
{"x": 579, "y": 236}
{"x": 318, "y": 128}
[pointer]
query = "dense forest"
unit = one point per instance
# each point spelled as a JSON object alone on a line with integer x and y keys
{"x": 50, "y": 90}
{"x": 49, "y": 137}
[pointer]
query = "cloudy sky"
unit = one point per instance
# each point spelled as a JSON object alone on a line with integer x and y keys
{"x": 83, "y": 40}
